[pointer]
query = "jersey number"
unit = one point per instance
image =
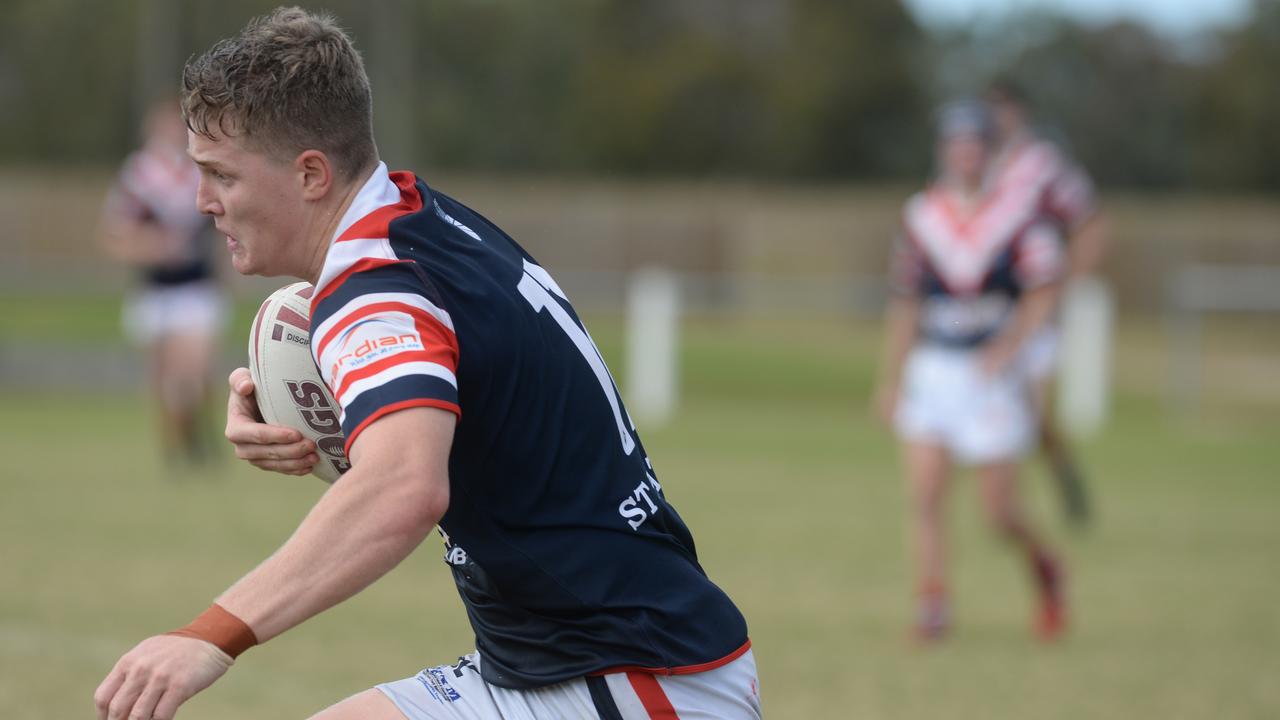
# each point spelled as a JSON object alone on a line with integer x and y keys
{"x": 537, "y": 287}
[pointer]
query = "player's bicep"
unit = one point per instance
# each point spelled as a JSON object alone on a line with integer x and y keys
{"x": 1072, "y": 198}
{"x": 411, "y": 445}
{"x": 906, "y": 267}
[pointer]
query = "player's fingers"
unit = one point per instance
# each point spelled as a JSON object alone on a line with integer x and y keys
{"x": 106, "y": 691}
{"x": 300, "y": 466}
{"x": 168, "y": 704}
{"x": 243, "y": 405}
{"x": 241, "y": 382}
{"x": 242, "y": 430}
{"x": 125, "y": 698}
{"x": 144, "y": 707}
{"x": 287, "y": 451}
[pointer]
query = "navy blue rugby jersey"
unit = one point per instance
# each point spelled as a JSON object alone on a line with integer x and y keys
{"x": 969, "y": 272}
{"x": 567, "y": 555}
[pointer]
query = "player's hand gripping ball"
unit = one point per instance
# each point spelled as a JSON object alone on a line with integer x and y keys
{"x": 287, "y": 383}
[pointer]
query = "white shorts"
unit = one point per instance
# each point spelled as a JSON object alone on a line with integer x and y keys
{"x": 457, "y": 692}
{"x": 1040, "y": 353}
{"x": 946, "y": 399}
{"x": 157, "y": 311}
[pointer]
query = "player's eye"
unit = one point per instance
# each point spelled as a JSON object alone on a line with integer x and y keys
{"x": 218, "y": 175}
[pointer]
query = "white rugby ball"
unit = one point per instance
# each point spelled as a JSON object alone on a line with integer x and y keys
{"x": 286, "y": 381}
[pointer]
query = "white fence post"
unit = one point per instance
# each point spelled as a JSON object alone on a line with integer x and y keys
{"x": 653, "y": 329}
{"x": 1084, "y": 379}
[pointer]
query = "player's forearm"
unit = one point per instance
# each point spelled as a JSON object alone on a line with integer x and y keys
{"x": 362, "y": 528}
{"x": 901, "y": 321}
{"x": 1033, "y": 312}
{"x": 1088, "y": 245}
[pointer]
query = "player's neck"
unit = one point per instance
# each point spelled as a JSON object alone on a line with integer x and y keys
{"x": 964, "y": 195}
{"x": 327, "y": 220}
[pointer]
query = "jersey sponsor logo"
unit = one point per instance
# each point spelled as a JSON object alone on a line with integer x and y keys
{"x": 449, "y": 219}
{"x": 464, "y": 663}
{"x": 377, "y": 337}
{"x": 963, "y": 316}
{"x": 370, "y": 348}
{"x": 455, "y": 555}
{"x": 437, "y": 684}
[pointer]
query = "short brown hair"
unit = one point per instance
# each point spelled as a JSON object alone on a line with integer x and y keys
{"x": 290, "y": 81}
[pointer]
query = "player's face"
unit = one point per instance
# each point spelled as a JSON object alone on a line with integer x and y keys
{"x": 964, "y": 158}
{"x": 255, "y": 200}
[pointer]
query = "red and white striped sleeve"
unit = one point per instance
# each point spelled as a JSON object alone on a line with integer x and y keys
{"x": 383, "y": 345}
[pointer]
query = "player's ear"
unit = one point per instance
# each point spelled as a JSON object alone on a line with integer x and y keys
{"x": 316, "y": 173}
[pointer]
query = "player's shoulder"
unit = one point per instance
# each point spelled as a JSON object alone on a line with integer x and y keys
{"x": 1045, "y": 147}
{"x": 1038, "y": 154}
{"x": 924, "y": 208}
{"x": 139, "y": 169}
{"x": 370, "y": 276}
{"x": 917, "y": 203}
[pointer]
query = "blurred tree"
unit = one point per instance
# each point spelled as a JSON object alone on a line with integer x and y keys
{"x": 815, "y": 88}
{"x": 847, "y": 102}
{"x": 760, "y": 88}
{"x": 1233, "y": 117}
{"x": 493, "y": 80}
{"x": 67, "y": 86}
{"x": 664, "y": 89}
{"x": 1115, "y": 95}
{"x": 1119, "y": 94}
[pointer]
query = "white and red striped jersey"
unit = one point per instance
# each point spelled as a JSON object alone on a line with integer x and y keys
{"x": 565, "y": 551}
{"x": 159, "y": 187}
{"x": 1037, "y": 171}
{"x": 970, "y": 268}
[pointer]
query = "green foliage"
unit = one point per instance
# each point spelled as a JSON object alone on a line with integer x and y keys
{"x": 747, "y": 88}
{"x": 1119, "y": 95}
{"x": 1236, "y": 107}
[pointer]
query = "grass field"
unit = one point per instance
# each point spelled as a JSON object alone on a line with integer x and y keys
{"x": 795, "y": 499}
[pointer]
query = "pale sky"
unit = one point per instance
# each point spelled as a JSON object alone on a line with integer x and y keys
{"x": 1175, "y": 17}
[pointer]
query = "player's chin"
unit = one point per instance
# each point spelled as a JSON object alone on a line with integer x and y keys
{"x": 244, "y": 263}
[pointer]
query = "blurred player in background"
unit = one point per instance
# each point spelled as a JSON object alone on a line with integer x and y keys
{"x": 1033, "y": 168}
{"x": 150, "y": 222}
{"x": 489, "y": 413}
{"x": 974, "y": 275}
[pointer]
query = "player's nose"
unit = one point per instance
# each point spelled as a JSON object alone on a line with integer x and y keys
{"x": 206, "y": 201}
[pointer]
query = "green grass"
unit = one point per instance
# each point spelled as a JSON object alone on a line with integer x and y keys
{"x": 796, "y": 501}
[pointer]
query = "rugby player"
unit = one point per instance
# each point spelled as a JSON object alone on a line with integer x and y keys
{"x": 1034, "y": 168}
{"x": 973, "y": 275}
{"x": 150, "y": 222}
{"x": 492, "y": 417}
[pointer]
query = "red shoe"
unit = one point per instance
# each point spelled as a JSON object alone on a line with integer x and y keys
{"x": 1051, "y": 616}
